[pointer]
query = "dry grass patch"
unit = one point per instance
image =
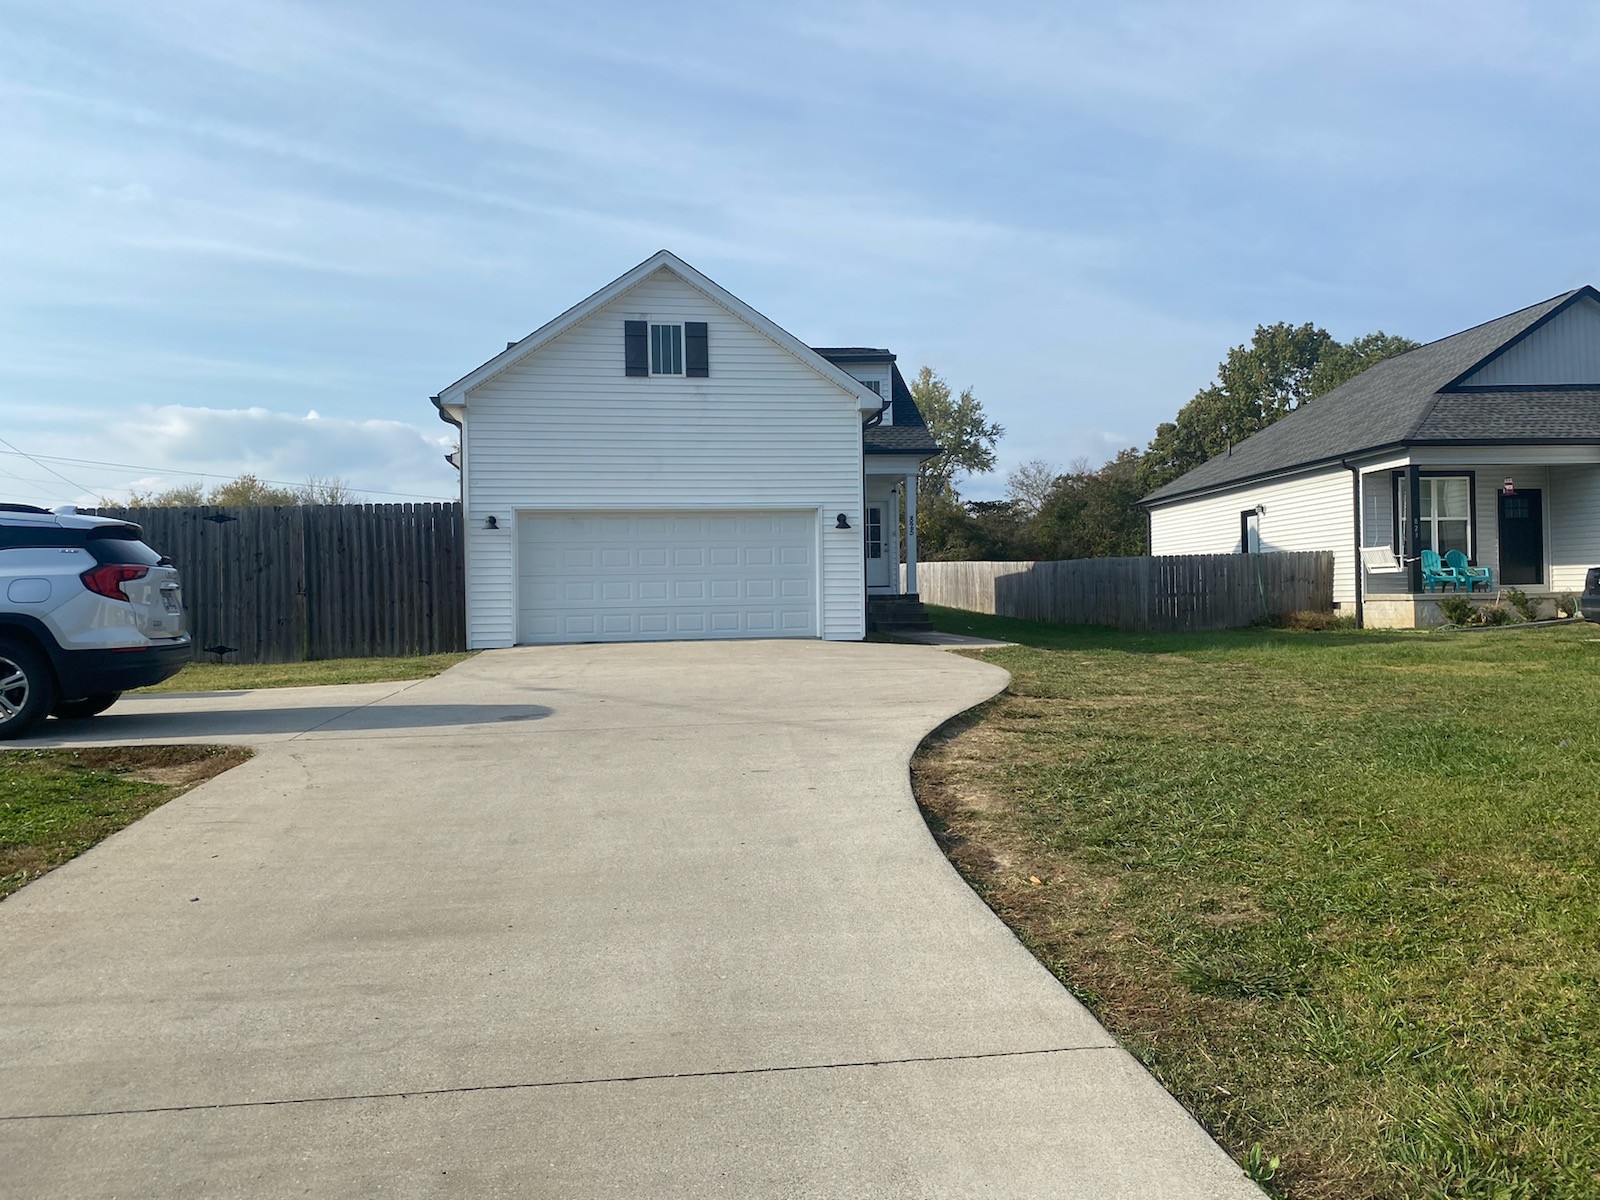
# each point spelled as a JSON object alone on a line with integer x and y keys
{"x": 55, "y": 804}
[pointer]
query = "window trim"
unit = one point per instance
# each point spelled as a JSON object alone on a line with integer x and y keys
{"x": 1397, "y": 540}
{"x": 650, "y": 345}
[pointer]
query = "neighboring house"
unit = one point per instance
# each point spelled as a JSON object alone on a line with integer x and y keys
{"x": 1487, "y": 442}
{"x": 661, "y": 461}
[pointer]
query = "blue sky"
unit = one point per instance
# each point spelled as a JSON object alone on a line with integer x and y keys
{"x": 257, "y": 235}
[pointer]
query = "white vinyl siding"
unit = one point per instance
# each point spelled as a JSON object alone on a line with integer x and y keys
{"x": 1565, "y": 350}
{"x": 565, "y": 429}
{"x": 1572, "y": 519}
{"x": 1308, "y": 512}
{"x": 876, "y": 376}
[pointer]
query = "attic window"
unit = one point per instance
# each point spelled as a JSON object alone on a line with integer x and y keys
{"x": 875, "y": 385}
{"x": 666, "y": 349}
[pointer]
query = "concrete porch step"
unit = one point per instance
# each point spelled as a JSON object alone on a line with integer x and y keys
{"x": 897, "y": 614}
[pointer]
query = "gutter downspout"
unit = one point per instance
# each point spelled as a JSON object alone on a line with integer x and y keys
{"x": 1355, "y": 513}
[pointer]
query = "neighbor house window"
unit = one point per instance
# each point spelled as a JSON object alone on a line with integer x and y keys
{"x": 666, "y": 349}
{"x": 874, "y": 385}
{"x": 1444, "y": 510}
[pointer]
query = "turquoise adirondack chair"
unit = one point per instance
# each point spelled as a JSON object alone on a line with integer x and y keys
{"x": 1457, "y": 562}
{"x": 1436, "y": 575}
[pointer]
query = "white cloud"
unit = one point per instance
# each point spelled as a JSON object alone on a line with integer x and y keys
{"x": 374, "y": 456}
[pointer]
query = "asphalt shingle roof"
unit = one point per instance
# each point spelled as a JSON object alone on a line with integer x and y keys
{"x": 1400, "y": 400}
{"x": 908, "y": 433}
{"x": 1553, "y": 414}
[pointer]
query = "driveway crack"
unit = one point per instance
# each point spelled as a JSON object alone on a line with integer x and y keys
{"x": 539, "y": 1085}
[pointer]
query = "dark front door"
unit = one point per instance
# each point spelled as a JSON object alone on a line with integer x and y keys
{"x": 1522, "y": 537}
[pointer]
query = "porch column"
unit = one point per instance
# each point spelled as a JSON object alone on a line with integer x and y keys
{"x": 893, "y": 539}
{"x": 1413, "y": 529}
{"x": 911, "y": 535}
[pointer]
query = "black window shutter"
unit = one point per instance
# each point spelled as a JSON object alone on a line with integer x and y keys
{"x": 696, "y": 351}
{"x": 636, "y": 350}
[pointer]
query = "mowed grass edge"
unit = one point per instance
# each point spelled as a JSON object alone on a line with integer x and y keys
{"x": 55, "y": 804}
{"x": 225, "y": 677}
{"x": 1337, "y": 890}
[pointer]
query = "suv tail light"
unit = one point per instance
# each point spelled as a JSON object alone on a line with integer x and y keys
{"x": 107, "y": 580}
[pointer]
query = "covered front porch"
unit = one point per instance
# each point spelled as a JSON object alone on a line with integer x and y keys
{"x": 890, "y": 489}
{"x": 1522, "y": 517}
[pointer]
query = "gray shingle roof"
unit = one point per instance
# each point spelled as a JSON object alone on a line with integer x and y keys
{"x": 908, "y": 434}
{"x": 1400, "y": 400}
{"x": 898, "y": 439}
{"x": 1553, "y": 414}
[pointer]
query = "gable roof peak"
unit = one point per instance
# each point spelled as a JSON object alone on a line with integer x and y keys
{"x": 515, "y": 352}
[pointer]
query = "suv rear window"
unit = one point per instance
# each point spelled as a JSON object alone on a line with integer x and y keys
{"x": 120, "y": 544}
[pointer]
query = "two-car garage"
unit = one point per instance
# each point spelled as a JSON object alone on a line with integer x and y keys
{"x": 641, "y": 576}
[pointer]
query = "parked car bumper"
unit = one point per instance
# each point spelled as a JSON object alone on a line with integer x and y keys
{"x": 92, "y": 672}
{"x": 1589, "y": 606}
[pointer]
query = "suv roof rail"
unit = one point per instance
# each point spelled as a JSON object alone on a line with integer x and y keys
{"x": 27, "y": 508}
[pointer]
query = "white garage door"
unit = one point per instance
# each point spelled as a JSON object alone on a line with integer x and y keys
{"x": 621, "y": 577}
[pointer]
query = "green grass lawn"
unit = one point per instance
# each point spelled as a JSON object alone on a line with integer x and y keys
{"x": 223, "y": 677}
{"x": 1340, "y": 891}
{"x": 55, "y": 804}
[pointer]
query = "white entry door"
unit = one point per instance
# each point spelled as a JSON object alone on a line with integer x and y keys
{"x": 876, "y": 549}
{"x": 657, "y": 576}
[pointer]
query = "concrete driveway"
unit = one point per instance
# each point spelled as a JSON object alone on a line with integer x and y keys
{"x": 652, "y": 920}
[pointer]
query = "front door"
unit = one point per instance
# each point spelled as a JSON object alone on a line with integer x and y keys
{"x": 1522, "y": 537}
{"x": 877, "y": 560}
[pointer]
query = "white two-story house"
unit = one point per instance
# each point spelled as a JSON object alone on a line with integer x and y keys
{"x": 661, "y": 461}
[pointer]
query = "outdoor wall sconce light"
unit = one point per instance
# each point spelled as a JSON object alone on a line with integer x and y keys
{"x": 1261, "y": 510}
{"x": 840, "y": 522}
{"x": 491, "y": 523}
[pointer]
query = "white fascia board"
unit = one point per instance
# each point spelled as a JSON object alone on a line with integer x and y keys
{"x": 866, "y": 399}
{"x": 894, "y": 464}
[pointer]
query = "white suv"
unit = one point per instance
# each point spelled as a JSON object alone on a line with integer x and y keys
{"x": 87, "y": 611}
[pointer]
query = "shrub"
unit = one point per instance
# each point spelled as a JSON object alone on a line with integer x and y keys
{"x": 1494, "y": 614}
{"x": 1519, "y": 600}
{"x": 1458, "y": 610}
{"x": 1566, "y": 605}
{"x": 1311, "y": 622}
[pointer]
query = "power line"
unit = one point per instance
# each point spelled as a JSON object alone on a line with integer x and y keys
{"x": 91, "y": 462}
{"x": 46, "y": 466}
{"x": 49, "y": 485}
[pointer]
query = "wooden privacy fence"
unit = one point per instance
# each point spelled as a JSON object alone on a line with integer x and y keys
{"x": 1165, "y": 594}
{"x": 297, "y": 582}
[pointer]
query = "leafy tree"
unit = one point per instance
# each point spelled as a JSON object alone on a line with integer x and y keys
{"x": 245, "y": 491}
{"x": 1094, "y": 513}
{"x": 1030, "y": 485}
{"x": 960, "y": 426}
{"x": 248, "y": 490}
{"x": 1283, "y": 367}
{"x": 1343, "y": 361}
{"x": 182, "y": 495}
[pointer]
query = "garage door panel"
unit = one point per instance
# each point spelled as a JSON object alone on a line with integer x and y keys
{"x": 586, "y": 577}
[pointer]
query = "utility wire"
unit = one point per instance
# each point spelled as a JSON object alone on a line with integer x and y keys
{"x": 46, "y": 466}
{"x": 92, "y": 462}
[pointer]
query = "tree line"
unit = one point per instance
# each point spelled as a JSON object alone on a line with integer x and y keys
{"x": 245, "y": 491}
{"x": 1089, "y": 511}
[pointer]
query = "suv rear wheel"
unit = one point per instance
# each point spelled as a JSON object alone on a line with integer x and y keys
{"x": 89, "y": 706}
{"x": 27, "y": 689}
